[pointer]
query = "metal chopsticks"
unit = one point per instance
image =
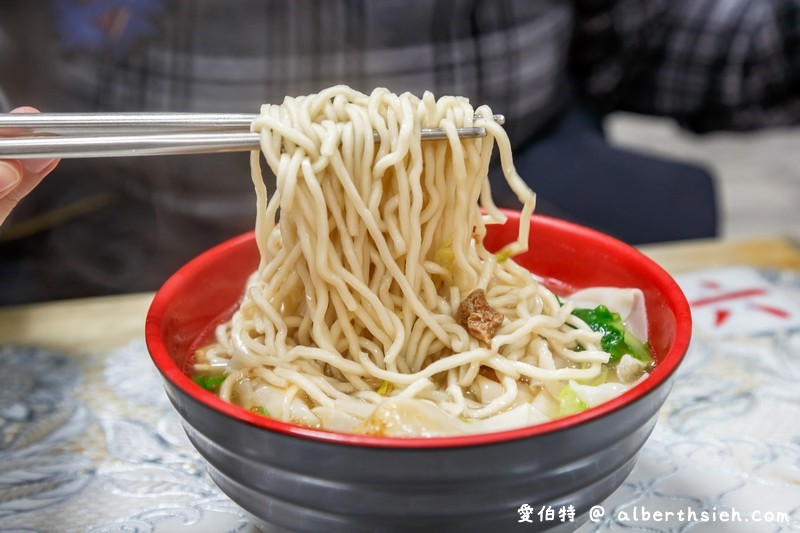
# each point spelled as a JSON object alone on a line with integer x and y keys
{"x": 83, "y": 135}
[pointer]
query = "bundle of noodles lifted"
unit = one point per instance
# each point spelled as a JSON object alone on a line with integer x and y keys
{"x": 376, "y": 309}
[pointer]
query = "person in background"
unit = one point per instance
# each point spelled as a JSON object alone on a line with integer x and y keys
{"x": 554, "y": 68}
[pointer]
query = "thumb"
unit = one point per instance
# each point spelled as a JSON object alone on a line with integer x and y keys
{"x": 10, "y": 177}
{"x": 15, "y": 183}
{"x": 18, "y": 178}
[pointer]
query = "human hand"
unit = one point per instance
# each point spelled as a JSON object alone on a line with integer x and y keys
{"x": 18, "y": 177}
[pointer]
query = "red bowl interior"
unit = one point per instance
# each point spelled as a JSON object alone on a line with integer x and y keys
{"x": 565, "y": 256}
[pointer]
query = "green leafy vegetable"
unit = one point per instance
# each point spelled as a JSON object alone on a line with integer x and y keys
{"x": 617, "y": 340}
{"x": 210, "y": 383}
{"x": 569, "y": 402}
{"x": 259, "y": 410}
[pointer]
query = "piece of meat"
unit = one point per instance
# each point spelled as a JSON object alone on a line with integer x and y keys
{"x": 479, "y": 318}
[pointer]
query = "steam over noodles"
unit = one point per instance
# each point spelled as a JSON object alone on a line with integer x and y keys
{"x": 352, "y": 320}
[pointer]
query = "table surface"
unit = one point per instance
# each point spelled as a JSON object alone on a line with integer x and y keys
{"x": 753, "y": 455}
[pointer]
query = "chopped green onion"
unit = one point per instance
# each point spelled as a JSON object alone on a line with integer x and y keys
{"x": 210, "y": 383}
{"x": 502, "y": 256}
{"x": 385, "y": 388}
{"x": 445, "y": 256}
{"x": 259, "y": 410}
{"x": 599, "y": 379}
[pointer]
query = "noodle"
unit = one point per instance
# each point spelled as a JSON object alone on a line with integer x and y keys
{"x": 349, "y": 323}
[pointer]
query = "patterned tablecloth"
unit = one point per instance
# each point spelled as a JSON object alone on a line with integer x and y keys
{"x": 91, "y": 443}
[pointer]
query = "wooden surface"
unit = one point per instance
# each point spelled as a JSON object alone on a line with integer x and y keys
{"x": 687, "y": 256}
{"x": 83, "y": 326}
{"x": 77, "y": 326}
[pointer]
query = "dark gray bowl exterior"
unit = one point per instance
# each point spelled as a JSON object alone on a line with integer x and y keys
{"x": 289, "y": 483}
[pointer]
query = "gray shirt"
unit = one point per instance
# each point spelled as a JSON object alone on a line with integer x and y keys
{"x": 128, "y": 223}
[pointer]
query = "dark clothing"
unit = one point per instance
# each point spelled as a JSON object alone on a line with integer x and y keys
{"x": 148, "y": 216}
{"x": 634, "y": 197}
{"x": 709, "y": 64}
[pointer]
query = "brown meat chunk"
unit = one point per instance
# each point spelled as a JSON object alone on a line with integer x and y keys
{"x": 479, "y": 318}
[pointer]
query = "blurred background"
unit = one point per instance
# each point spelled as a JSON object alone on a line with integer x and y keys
{"x": 757, "y": 173}
{"x": 561, "y": 71}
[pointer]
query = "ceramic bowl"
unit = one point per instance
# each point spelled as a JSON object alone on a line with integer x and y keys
{"x": 292, "y": 478}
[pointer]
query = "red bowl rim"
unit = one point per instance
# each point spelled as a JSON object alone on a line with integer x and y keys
{"x": 673, "y": 296}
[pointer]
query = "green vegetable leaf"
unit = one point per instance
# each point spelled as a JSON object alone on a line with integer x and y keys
{"x": 259, "y": 410}
{"x": 569, "y": 402}
{"x": 210, "y": 383}
{"x": 616, "y": 340}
